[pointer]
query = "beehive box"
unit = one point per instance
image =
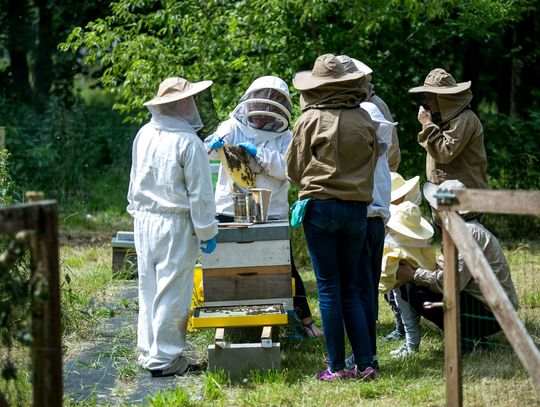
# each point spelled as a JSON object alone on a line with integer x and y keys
{"x": 249, "y": 264}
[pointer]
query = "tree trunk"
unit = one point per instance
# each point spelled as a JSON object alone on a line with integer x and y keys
{"x": 45, "y": 49}
{"x": 471, "y": 69}
{"x": 504, "y": 87}
{"x": 524, "y": 64}
{"x": 18, "y": 45}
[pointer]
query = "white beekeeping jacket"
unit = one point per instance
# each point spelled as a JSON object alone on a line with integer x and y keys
{"x": 170, "y": 173}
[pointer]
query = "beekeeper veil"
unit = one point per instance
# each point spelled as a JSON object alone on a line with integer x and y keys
{"x": 192, "y": 102}
{"x": 266, "y": 105}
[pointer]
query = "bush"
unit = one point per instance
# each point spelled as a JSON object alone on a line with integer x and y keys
{"x": 512, "y": 147}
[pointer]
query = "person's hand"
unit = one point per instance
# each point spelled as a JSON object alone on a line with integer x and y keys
{"x": 208, "y": 246}
{"x": 249, "y": 147}
{"x": 216, "y": 143}
{"x": 424, "y": 116}
{"x": 405, "y": 272}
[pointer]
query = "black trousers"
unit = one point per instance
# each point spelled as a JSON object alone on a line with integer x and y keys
{"x": 477, "y": 320}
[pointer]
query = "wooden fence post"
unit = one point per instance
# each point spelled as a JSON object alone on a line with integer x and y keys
{"x": 47, "y": 358}
{"x": 33, "y": 196}
{"x": 47, "y": 343}
{"x": 2, "y": 137}
{"x": 452, "y": 326}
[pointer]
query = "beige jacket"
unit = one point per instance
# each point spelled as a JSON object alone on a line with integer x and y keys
{"x": 455, "y": 147}
{"x": 495, "y": 257}
{"x": 334, "y": 147}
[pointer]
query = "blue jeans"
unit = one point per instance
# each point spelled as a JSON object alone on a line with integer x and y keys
{"x": 371, "y": 261}
{"x": 335, "y": 231}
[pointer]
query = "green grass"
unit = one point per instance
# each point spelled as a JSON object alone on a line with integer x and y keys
{"x": 493, "y": 377}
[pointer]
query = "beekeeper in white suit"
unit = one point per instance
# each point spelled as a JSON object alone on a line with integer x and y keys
{"x": 260, "y": 124}
{"x": 171, "y": 199}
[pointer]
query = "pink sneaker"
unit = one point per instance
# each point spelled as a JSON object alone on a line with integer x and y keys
{"x": 368, "y": 374}
{"x": 327, "y": 376}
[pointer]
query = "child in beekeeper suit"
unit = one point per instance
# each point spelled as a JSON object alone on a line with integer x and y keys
{"x": 407, "y": 241}
{"x": 401, "y": 190}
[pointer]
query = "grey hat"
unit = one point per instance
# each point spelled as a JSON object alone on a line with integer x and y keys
{"x": 429, "y": 190}
{"x": 353, "y": 65}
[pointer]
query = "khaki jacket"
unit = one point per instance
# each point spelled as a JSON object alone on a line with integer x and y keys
{"x": 334, "y": 147}
{"x": 494, "y": 256}
{"x": 455, "y": 147}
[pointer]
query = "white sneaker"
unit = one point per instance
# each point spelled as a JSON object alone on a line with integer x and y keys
{"x": 403, "y": 351}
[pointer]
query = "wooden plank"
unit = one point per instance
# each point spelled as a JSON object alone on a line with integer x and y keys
{"x": 219, "y": 338}
{"x": 266, "y": 337}
{"x": 495, "y": 296}
{"x": 247, "y": 271}
{"x": 14, "y": 218}
{"x": 517, "y": 202}
{"x": 247, "y": 287}
{"x": 452, "y": 328}
{"x": 257, "y": 253}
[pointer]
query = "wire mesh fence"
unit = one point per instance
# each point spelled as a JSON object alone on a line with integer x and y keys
{"x": 492, "y": 374}
{"x": 499, "y": 362}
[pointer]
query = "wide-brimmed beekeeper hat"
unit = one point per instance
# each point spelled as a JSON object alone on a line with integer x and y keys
{"x": 401, "y": 187}
{"x": 176, "y": 88}
{"x": 440, "y": 81}
{"x": 327, "y": 69}
{"x": 352, "y": 64}
{"x": 429, "y": 190}
{"x": 407, "y": 220}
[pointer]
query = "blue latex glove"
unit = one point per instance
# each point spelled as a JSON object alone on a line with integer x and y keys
{"x": 216, "y": 142}
{"x": 209, "y": 245}
{"x": 249, "y": 147}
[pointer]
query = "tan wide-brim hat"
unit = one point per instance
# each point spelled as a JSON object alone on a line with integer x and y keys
{"x": 401, "y": 187}
{"x": 407, "y": 219}
{"x": 440, "y": 81}
{"x": 175, "y": 88}
{"x": 327, "y": 69}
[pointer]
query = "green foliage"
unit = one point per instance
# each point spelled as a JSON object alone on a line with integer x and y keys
{"x": 233, "y": 42}
{"x": 6, "y": 184}
{"x": 512, "y": 147}
{"x": 15, "y": 299}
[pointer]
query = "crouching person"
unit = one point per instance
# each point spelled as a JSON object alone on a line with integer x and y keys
{"x": 477, "y": 320}
{"x": 171, "y": 199}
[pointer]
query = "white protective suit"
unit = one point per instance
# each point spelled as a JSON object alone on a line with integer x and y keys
{"x": 171, "y": 199}
{"x": 382, "y": 184}
{"x": 269, "y": 163}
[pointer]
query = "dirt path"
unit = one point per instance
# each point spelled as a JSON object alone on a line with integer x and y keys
{"x": 104, "y": 370}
